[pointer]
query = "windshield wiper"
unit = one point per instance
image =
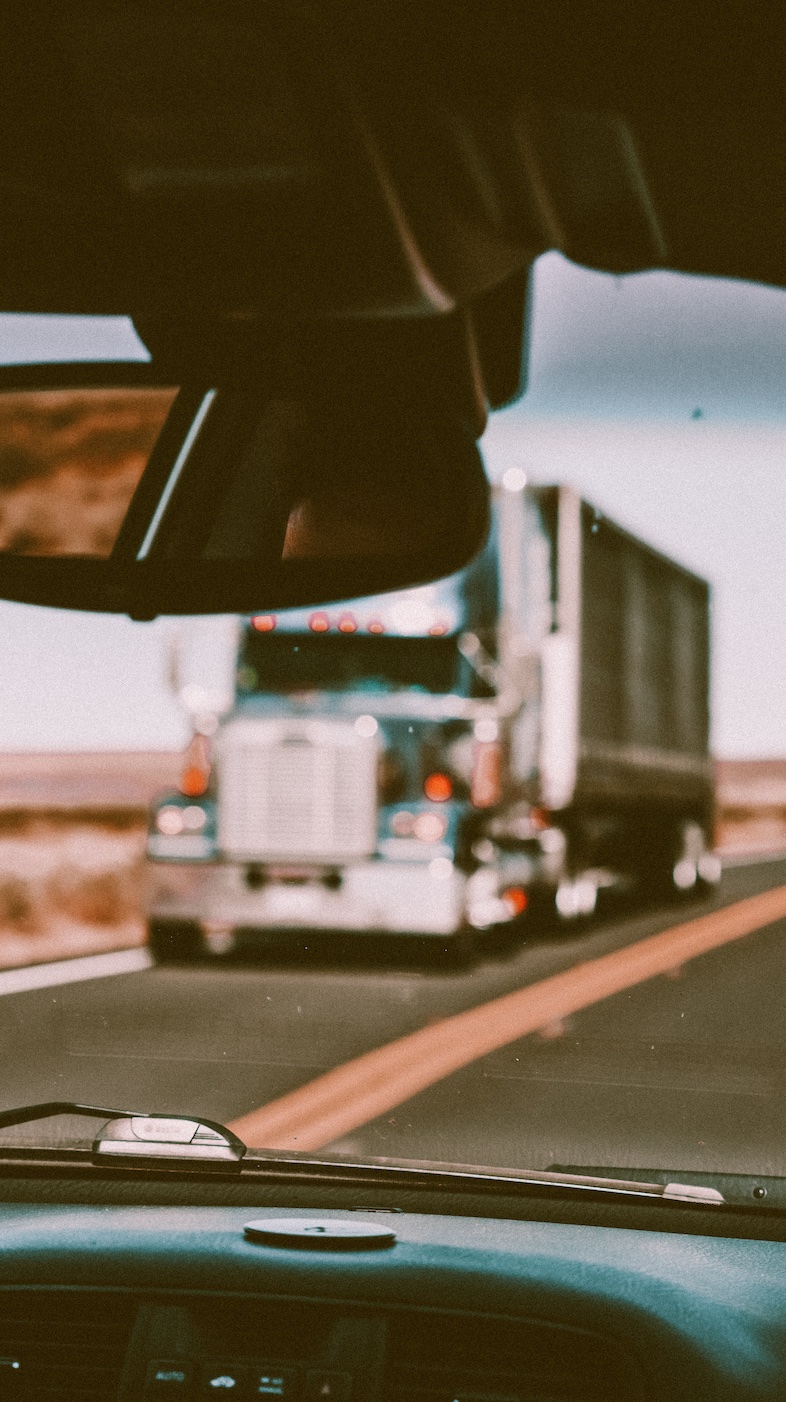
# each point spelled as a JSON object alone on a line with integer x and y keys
{"x": 738, "y": 1189}
{"x": 136, "y": 1139}
{"x": 407, "y": 1172}
{"x": 132, "y": 1139}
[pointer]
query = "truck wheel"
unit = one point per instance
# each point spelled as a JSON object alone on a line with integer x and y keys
{"x": 697, "y": 870}
{"x": 174, "y": 941}
{"x": 575, "y": 899}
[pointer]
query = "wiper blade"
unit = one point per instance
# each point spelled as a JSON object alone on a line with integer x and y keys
{"x": 407, "y": 1171}
{"x": 748, "y": 1190}
{"x": 143, "y": 1140}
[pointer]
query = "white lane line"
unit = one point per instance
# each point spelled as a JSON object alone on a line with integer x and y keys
{"x": 119, "y": 961}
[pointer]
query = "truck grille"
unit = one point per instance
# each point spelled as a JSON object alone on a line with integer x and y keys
{"x": 296, "y": 790}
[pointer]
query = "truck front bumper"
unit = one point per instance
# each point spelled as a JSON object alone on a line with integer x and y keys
{"x": 425, "y": 898}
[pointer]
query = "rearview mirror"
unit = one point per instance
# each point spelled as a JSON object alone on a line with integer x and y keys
{"x": 121, "y": 491}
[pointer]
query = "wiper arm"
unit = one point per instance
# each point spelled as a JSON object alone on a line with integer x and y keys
{"x": 25, "y": 1114}
{"x": 136, "y": 1139}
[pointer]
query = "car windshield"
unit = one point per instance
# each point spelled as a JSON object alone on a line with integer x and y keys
{"x": 488, "y": 872}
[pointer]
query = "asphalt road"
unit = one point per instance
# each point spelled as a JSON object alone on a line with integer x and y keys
{"x": 682, "y": 1071}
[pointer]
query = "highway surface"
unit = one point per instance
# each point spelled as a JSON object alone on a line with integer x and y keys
{"x": 605, "y": 1046}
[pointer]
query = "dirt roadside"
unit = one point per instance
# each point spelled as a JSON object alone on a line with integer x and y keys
{"x": 72, "y": 836}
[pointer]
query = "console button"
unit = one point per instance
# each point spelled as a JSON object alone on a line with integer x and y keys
{"x": 324, "y": 1386}
{"x": 269, "y": 1381}
{"x": 167, "y": 1377}
{"x": 224, "y": 1379}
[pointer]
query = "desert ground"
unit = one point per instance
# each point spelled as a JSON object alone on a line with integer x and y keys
{"x": 72, "y": 836}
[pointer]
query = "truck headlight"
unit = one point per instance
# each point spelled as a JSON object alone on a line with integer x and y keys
{"x": 172, "y": 820}
{"x": 430, "y": 827}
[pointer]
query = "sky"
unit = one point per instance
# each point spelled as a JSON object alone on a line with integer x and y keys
{"x": 661, "y": 397}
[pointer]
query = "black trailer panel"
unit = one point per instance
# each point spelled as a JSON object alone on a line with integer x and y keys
{"x": 644, "y": 669}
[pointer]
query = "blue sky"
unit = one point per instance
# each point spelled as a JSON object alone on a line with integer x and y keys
{"x": 663, "y": 398}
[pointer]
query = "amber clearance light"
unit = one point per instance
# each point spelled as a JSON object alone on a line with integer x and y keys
{"x": 438, "y": 788}
{"x": 515, "y": 898}
{"x": 195, "y": 775}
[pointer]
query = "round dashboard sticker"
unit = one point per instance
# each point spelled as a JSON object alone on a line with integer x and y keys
{"x": 322, "y": 1233}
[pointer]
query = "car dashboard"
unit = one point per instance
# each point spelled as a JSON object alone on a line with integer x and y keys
{"x": 103, "y": 1300}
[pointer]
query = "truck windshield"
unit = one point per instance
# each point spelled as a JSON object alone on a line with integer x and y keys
{"x": 286, "y": 662}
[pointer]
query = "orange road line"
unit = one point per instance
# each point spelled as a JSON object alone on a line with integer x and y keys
{"x": 360, "y": 1090}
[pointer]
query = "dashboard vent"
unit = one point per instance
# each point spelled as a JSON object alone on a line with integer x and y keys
{"x": 70, "y": 1345}
{"x": 441, "y": 1358}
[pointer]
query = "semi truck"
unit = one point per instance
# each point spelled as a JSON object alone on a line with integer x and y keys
{"x": 492, "y": 750}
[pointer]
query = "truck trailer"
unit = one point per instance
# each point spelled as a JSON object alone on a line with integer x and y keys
{"x": 495, "y": 748}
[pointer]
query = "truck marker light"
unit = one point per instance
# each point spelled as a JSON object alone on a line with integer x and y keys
{"x": 438, "y": 630}
{"x": 169, "y": 820}
{"x": 194, "y": 781}
{"x": 195, "y": 777}
{"x": 319, "y": 622}
{"x": 430, "y": 827}
{"x": 515, "y": 897}
{"x": 347, "y": 623}
{"x": 366, "y": 726}
{"x": 438, "y": 788}
{"x": 264, "y": 622}
{"x": 376, "y": 626}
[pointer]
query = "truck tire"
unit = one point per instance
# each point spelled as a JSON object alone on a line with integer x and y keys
{"x": 697, "y": 869}
{"x": 174, "y": 941}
